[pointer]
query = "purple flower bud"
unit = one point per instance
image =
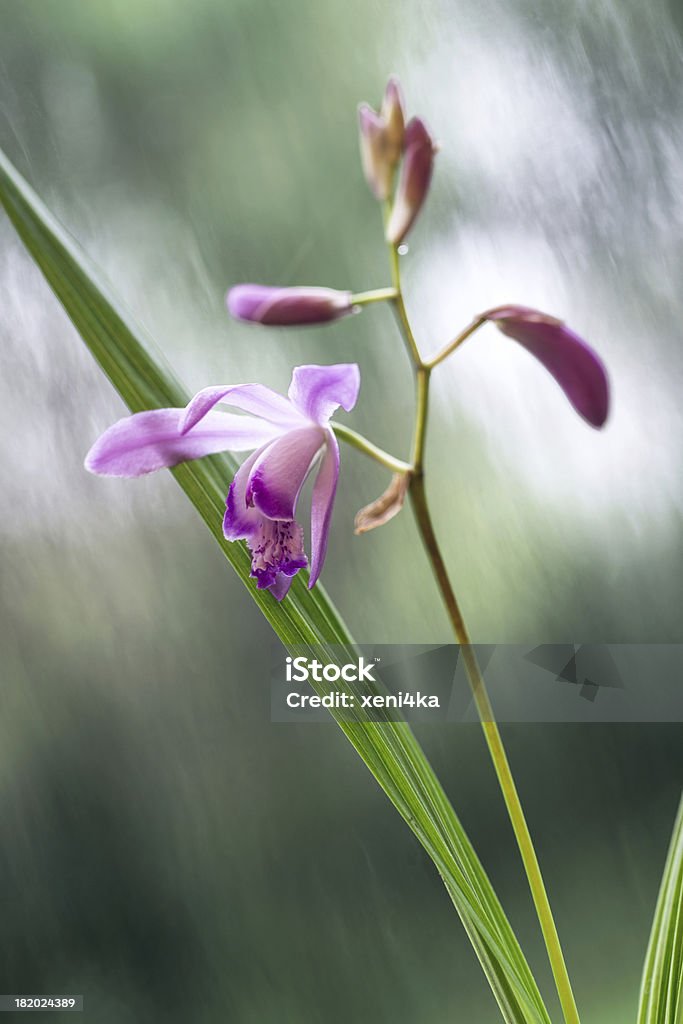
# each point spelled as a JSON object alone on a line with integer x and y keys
{"x": 575, "y": 366}
{"x": 285, "y": 307}
{"x": 413, "y": 184}
{"x": 381, "y": 139}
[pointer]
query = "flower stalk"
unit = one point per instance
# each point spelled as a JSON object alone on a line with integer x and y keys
{"x": 456, "y": 342}
{"x": 496, "y": 749}
{"x": 376, "y": 295}
{"x": 422, "y": 378}
{"x": 494, "y": 741}
{"x": 361, "y": 444}
{"x": 398, "y": 303}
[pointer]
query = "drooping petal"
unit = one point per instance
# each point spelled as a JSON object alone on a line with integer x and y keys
{"x": 153, "y": 440}
{"x": 287, "y": 307}
{"x": 414, "y": 180}
{"x": 279, "y": 473}
{"x": 241, "y": 520}
{"x": 318, "y": 391}
{"x": 322, "y": 503}
{"x": 254, "y": 398}
{"x": 575, "y": 366}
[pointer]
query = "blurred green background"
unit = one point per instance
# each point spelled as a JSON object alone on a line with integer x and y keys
{"x": 164, "y": 849}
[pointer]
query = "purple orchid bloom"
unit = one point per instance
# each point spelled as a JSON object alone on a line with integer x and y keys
{"x": 292, "y": 437}
{"x": 575, "y": 366}
{"x": 287, "y": 307}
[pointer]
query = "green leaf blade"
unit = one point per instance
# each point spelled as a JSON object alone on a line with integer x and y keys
{"x": 661, "y": 992}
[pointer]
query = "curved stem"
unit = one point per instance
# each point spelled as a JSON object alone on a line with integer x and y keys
{"x": 356, "y": 440}
{"x": 456, "y": 343}
{"x": 497, "y": 752}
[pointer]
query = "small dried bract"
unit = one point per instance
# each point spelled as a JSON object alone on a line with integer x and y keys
{"x": 384, "y": 508}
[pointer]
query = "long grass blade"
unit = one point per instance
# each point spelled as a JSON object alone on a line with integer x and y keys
{"x": 661, "y": 992}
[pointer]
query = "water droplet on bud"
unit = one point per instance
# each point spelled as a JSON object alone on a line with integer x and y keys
{"x": 402, "y": 249}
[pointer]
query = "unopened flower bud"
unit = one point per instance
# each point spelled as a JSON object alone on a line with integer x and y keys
{"x": 575, "y": 366}
{"x": 381, "y": 139}
{"x": 286, "y": 307}
{"x": 392, "y": 113}
{"x": 413, "y": 184}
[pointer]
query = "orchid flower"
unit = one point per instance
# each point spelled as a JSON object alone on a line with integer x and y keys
{"x": 291, "y": 437}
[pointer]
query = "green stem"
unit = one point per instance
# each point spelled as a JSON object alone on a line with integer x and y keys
{"x": 482, "y": 701}
{"x": 376, "y": 295}
{"x": 498, "y": 756}
{"x": 422, "y": 375}
{"x": 456, "y": 343}
{"x": 398, "y": 303}
{"x": 356, "y": 440}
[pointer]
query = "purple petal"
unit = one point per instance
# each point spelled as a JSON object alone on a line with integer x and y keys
{"x": 281, "y": 586}
{"x": 253, "y": 398}
{"x": 152, "y": 440}
{"x": 413, "y": 184}
{"x": 324, "y": 490}
{"x": 369, "y": 121}
{"x": 575, "y": 366}
{"x": 318, "y": 391}
{"x": 241, "y": 520}
{"x": 285, "y": 307}
{"x": 378, "y": 170}
{"x": 279, "y": 473}
{"x": 417, "y": 134}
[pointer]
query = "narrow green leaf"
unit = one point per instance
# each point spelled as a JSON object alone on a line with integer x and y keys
{"x": 661, "y": 992}
{"x": 305, "y": 620}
